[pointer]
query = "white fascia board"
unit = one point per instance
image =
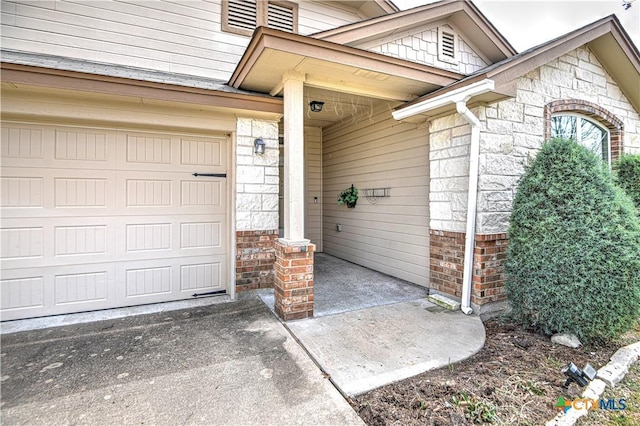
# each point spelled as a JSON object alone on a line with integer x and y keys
{"x": 461, "y": 94}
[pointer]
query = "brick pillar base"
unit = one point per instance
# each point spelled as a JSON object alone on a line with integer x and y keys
{"x": 293, "y": 284}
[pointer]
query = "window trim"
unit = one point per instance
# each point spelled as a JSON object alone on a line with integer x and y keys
{"x": 262, "y": 16}
{"x": 593, "y": 111}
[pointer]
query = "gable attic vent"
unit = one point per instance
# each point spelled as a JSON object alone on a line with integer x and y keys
{"x": 447, "y": 45}
{"x": 280, "y": 17}
{"x": 243, "y": 14}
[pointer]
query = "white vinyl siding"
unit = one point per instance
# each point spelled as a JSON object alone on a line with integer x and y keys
{"x": 392, "y": 235}
{"x": 314, "y": 17}
{"x": 313, "y": 185}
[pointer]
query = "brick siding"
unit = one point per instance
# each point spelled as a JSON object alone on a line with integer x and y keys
{"x": 293, "y": 288}
{"x": 489, "y": 278}
{"x": 447, "y": 265}
{"x": 255, "y": 257}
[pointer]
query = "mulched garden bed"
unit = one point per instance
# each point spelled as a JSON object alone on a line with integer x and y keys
{"x": 514, "y": 380}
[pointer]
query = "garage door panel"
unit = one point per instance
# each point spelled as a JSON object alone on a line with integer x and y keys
{"x": 155, "y": 193}
{"x": 103, "y": 218}
{"x": 203, "y": 233}
{"x": 29, "y": 145}
{"x": 30, "y": 243}
{"x": 152, "y": 237}
{"x": 53, "y": 192}
{"x": 205, "y": 275}
{"x": 21, "y": 294}
{"x": 171, "y": 153}
{"x": 169, "y": 279}
{"x": 203, "y": 195}
{"x": 57, "y": 290}
{"x": 84, "y": 148}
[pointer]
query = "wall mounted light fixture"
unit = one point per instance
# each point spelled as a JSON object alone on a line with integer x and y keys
{"x": 258, "y": 146}
{"x": 316, "y": 106}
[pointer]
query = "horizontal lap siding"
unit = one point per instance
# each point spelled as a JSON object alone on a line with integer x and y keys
{"x": 179, "y": 37}
{"x": 391, "y": 236}
{"x": 313, "y": 185}
{"x": 314, "y": 17}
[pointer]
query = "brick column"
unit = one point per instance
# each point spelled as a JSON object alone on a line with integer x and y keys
{"x": 293, "y": 286}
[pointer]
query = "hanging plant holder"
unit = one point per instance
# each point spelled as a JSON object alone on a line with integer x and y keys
{"x": 349, "y": 197}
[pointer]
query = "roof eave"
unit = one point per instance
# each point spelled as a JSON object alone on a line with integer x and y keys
{"x": 504, "y": 74}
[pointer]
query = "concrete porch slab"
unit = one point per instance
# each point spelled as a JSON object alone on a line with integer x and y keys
{"x": 368, "y": 348}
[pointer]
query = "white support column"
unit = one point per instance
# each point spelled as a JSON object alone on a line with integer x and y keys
{"x": 294, "y": 158}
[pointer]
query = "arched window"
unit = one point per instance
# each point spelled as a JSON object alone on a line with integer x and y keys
{"x": 588, "y": 123}
{"x": 586, "y": 132}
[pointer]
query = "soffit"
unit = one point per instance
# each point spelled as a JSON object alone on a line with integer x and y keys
{"x": 339, "y": 107}
{"x": 272, "y": 53}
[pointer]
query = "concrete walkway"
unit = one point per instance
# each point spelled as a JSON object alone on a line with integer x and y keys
{"x": 223, "y": 364}
{"x": 233, "y": 363}
{"x": 370, "y": 329}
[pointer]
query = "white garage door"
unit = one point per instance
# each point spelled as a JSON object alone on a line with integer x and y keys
{"x": 99, "y": 218}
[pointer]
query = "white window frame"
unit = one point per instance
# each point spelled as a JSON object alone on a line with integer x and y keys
{"x": 262, "y": 16}
{"x": 579, "y": 130}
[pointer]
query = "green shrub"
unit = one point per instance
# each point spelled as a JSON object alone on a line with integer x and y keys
{"x": 628, "y": 176}
{"x": 573, "y": 261}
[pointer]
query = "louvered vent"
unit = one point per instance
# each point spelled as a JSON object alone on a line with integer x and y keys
{"x": 448, "y": 46}
{"x": 280, "y": 17}
{"x": 243, "y": 14}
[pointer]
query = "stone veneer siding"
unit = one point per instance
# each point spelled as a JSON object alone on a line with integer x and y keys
{"x": 256, "y": 209}
{"x": 512, "y": 131}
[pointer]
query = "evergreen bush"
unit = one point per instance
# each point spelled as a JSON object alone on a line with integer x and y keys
{"x": 628, "y": 176}
{"x": 573, "y": 261}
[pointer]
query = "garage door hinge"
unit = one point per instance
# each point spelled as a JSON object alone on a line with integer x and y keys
{"x": 220, "y": 175}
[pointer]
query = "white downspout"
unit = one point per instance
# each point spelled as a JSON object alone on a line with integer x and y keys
{"x": 460, "y": 96}
{"x": 472, "y": 198}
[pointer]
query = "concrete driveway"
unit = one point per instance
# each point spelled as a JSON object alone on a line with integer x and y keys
{"x": 220, "y": 364}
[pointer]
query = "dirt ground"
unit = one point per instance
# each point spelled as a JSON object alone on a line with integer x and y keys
{"x": 514, "y": 380}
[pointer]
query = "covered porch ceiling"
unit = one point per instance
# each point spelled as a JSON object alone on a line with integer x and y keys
{"x": 350, "y": 81}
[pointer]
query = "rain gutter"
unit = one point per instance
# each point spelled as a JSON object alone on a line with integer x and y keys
{"x": 460, "y": 97}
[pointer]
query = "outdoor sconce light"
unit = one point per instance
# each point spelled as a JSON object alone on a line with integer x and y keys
{"x": 258, "y": 146}
{"x": 316, "y": 106}
{"x": 574, "y": 374}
